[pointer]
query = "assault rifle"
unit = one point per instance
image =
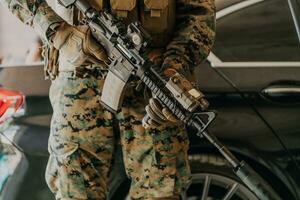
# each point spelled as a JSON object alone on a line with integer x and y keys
{"x": 125, "y": 47}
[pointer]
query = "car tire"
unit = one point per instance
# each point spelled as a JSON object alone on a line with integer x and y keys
{"x": 213, "y": 178}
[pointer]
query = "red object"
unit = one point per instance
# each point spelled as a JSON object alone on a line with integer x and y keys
{"x": 9, "y": 99}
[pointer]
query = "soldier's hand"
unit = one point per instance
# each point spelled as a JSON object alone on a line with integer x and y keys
{"x": 77, "y": 47}
{"x": 158, "y": 116}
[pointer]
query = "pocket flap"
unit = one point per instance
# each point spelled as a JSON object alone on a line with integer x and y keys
{"x": 64, "y": 151}
{"x": 123, "y": 5}
{"x": 156, "y": 4}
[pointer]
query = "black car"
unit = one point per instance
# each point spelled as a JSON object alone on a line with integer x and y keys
{"x": 252, "y": 78}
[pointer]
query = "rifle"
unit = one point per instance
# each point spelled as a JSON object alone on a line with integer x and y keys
{"x": 126, "y": 47}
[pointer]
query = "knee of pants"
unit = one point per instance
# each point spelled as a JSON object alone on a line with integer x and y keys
{"x": 157, "y": 163}
{"x": 73, "y": 173}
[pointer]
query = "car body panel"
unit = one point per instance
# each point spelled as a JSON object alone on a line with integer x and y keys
{"x": 263, "y": 68}
{"x": 255, "y": 123}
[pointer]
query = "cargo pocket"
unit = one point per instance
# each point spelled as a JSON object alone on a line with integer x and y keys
{"x": 156, "y": 16}
{"x": 163, "y": 170}
{"x": 122, "y": 8}
{"x": 64, "y": 174}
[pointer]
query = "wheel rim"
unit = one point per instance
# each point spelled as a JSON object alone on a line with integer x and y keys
{"x": 206, "y": 186}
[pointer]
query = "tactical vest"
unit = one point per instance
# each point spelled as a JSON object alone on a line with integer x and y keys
{"x": 156, "y": 16}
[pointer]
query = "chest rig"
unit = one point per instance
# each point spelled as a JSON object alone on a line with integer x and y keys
{"x": 156, "y": 16}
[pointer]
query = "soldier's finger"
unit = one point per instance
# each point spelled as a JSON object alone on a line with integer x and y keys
{"x": 147, "y": 123}
{"x": 153, "y": 115}
{"x": 153, "y": 124}
{"x": 169, "y": 115}
{"x": 157, "y": 108}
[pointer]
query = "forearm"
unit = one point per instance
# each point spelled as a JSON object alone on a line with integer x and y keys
{"x": 195, "y": 36}
{"x": 35, "y": 13}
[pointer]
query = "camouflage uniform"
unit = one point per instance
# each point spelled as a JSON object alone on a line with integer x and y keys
{"x": 82, "y": 131}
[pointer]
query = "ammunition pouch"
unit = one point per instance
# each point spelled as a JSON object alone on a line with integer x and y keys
{"x": 123, "y": 8}
{"x": 156, "y": 10}
{"x": 158, "y": 18}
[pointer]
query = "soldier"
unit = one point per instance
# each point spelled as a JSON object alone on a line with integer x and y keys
{"x": 82, "y": 131}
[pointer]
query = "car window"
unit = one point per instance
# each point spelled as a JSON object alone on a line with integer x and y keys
{"x": 261, "y": 32}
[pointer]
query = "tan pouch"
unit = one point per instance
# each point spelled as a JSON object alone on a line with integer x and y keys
{"x": 50, "y": 54}
{"x": 122, "y": 8}
{"x": 158, "y": 18}
{"x": 156, "y": 7}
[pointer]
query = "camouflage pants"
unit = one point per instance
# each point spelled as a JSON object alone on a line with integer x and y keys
{"x": 81, "y": 146}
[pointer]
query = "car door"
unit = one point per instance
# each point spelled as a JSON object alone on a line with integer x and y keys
{"x": 258, "y": 51}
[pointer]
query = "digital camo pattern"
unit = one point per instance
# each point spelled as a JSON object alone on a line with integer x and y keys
{"x": 156, "y": 161}
{"x": 81, "y": 142}
{"x": 195, "y": 35}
